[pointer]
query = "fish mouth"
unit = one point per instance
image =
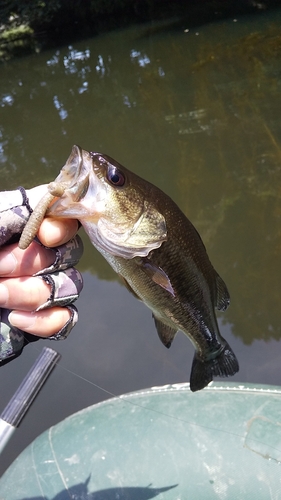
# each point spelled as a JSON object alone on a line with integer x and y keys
{"x": 84, "y": 192}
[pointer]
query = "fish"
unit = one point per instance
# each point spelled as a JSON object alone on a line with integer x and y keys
{"x": 155, "y": 249}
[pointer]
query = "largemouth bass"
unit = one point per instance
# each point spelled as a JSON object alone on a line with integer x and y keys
{"x": 159, "y": 254}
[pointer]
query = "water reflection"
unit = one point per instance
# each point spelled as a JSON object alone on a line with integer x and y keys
{"x": 196, "y": 113}
{"x": 244, "y": 164}
{"x": 201, "y": 113}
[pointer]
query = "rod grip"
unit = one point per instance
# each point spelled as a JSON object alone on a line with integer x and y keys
{"x": 30, "y": 387}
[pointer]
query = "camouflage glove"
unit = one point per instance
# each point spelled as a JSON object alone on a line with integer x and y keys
{"x": 64, "y": 280}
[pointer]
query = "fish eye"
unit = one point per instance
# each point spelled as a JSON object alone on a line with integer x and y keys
{"x": 115, "y": 176}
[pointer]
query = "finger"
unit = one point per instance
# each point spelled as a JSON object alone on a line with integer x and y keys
{"x": 43, "y": 323}
{"x": 17, "y": 262}
{"x": 25, "y": 294}
{"x": 54, "y": 232}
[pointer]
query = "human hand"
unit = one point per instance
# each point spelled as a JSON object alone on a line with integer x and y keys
{"x": 31, "y": 303}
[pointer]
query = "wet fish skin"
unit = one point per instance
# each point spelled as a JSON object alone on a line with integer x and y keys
{"x": 159, "y": 254}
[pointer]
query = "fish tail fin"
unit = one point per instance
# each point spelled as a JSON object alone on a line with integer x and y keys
{"x": 203, "y": 370}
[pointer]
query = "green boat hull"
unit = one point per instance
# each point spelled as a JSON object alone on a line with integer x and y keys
{"x": 167, "y": 443}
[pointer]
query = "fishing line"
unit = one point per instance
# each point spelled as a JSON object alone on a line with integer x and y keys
{"x": 159, "y": 412}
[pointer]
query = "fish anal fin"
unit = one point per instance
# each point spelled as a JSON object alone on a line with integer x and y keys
{"x": 203, "y": 370}
{"x": 222, "y": 299}
{"x": 158, "y": 275}
{"x": 166, "y": 333}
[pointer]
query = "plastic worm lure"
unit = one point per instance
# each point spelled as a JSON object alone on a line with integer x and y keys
{"x": 55, "y": 190}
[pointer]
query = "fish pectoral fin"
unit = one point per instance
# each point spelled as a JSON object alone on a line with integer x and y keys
{"x": 166, "y": 333}
{"x": 224, "y": 364}
{"x": 223, "y": 298}
{"x": 157, "y": 275}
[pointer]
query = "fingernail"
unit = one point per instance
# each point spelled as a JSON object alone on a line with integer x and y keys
{"x": 22, "y": 320}
{"x": 4, "y": 295}
{"x": 8, "y": 263}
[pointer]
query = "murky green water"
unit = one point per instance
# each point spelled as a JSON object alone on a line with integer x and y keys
{"x": 195, "y": 112}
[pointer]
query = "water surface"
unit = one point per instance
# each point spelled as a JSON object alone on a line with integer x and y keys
{"x": 195, "y": 112}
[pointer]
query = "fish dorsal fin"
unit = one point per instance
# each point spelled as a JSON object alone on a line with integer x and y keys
{"x": 148, "y": 233}
{"x": 157, "y": 275}
{"x": 166, "y": 333}
{"x": 223, "y": 298}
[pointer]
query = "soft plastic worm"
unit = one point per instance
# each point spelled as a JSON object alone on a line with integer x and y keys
{"x": 55, "y": 190}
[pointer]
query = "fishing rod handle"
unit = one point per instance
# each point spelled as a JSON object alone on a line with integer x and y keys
{"x": 30, "y": 387}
